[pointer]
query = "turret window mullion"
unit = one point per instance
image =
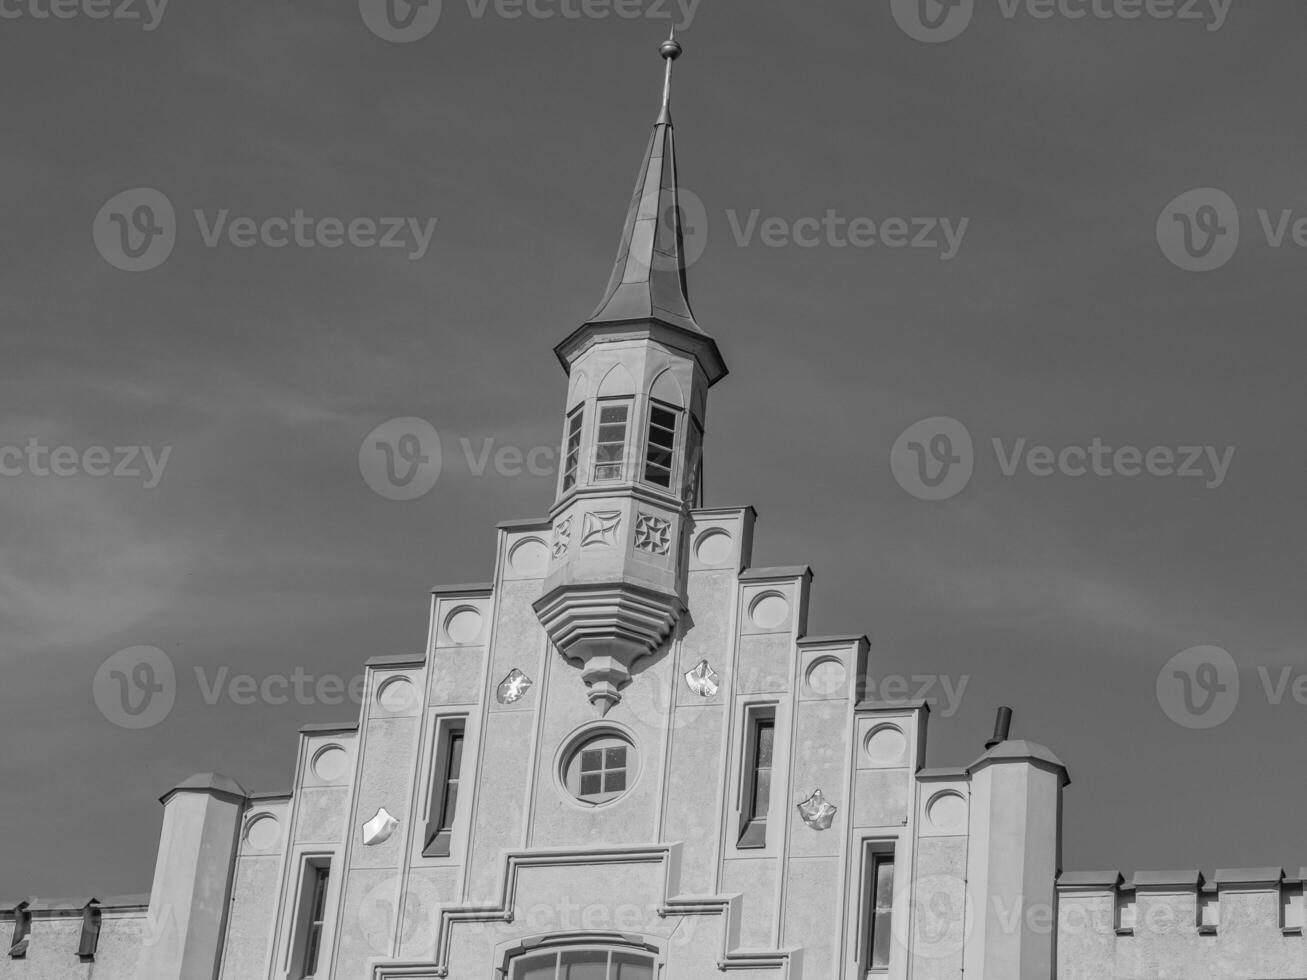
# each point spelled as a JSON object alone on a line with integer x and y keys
{"x": 610, "y": 440}
{"x": 572, "y": 448}
{"x": 660, "y": 449}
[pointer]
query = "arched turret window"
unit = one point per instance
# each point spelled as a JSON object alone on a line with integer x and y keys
{"x": 584, "y": 963}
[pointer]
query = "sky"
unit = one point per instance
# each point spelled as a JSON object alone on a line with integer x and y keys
{"x": 1081, "y": 301}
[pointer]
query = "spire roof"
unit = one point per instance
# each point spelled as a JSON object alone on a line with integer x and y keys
{"x": 648, "y": 280}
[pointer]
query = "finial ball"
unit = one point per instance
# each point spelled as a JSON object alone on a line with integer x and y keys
{"x": 671, "y": 49}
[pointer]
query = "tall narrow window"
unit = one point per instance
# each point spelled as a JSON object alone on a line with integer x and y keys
{"x": 572, "y": 447}
{"x": 756, "y": 785}
{"x": 610, "y": 440}
{"x": 444, "y": 789}
{"x": 693, "y": 478}
{"x": 312, "y": 916}
{"x": 880, "y": 906}
{"x": 658, "y": 454}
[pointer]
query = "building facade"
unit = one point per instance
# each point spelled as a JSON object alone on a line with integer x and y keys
{"x": 628, "y": 758}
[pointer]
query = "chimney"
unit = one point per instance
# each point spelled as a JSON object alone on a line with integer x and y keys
{"x": 1002, "y": 726}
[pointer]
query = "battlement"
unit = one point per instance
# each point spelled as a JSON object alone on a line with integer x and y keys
{"x": 46, "y": 936}
{"x": 1182, "y": 918}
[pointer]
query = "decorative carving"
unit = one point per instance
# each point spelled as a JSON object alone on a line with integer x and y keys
{"x": 702, "y": 679}
{"x": 600, "y": 528}
{"x": 562, "y": 537}
{"x": 379, "y": 829}
{"x": 513, "y": 688}
{"x": 607, "y": 628}
{"x": 817, "y": 812}
{"x": 652, "y": 534}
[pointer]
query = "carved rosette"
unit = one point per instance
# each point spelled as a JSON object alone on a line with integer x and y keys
{"x": 652, "y": 534}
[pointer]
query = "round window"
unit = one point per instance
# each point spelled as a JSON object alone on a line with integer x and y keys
{"x": 600, "y": 768}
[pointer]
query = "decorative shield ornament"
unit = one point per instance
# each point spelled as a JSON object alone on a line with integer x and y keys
{"x": 702, "y": 679}
{"x": 817, "y": 811}
{"x": 379, "y": 829}
{"x": 513, "y": 687}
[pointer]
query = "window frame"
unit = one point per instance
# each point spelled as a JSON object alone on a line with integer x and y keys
{"x": 515, "y": 955}
{"x": 647, "y": 444}
{"x": 691, "y": 482}
{"x": 602, "y": 741}
{"x": 628, "y": 403}
{"x": 439, "y": 833}
{"x": 877, "y": 856}
{"x": 309, "y": 932}
{"x": 573, "y": 427}
{"x": 753, "y": 827}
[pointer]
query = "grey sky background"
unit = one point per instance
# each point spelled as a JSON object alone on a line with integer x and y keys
{"x": 1059, "y": 320}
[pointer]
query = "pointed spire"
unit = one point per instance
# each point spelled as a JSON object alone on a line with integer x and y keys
{"x": 648, "y": 280}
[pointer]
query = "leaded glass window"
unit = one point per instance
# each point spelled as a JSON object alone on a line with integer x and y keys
{"x": 584, "y": 964}
{"x": 601, "y": 769}
{"x": 610, "y": 440}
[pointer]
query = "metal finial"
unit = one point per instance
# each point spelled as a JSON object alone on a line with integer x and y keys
{"x": 670, "y": 50}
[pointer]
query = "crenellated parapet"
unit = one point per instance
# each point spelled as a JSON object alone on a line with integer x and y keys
{"x": 1111, "y": 925}
{"x": 73, "y": 936}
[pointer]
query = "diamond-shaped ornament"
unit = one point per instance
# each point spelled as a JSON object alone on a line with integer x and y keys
{"x": 600, "y": 528}
{"x": 702, "y": 679}
{"x": 513, "y": 687}
{"x": 817, "y": 811}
